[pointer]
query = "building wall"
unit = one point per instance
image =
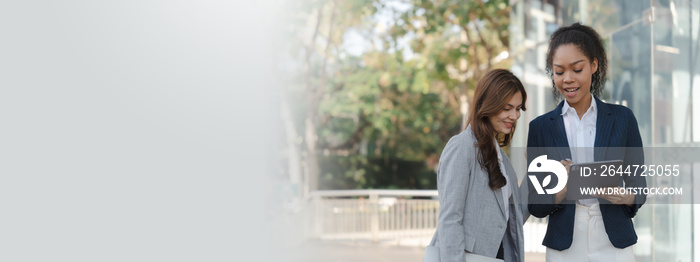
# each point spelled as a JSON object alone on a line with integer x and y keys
{"x": 654, "y": 63}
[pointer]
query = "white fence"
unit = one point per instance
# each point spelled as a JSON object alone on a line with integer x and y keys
{"x": 388, "y": 216}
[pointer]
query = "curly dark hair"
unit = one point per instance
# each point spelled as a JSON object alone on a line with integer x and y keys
{"x": 591, "y": 45}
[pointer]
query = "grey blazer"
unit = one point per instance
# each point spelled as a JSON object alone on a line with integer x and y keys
{"x": 472, "y": 216}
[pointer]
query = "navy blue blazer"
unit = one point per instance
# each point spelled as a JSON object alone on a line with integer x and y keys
{"x": 617, "y": 137}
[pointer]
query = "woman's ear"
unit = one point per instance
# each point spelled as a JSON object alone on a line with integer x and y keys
{"x": 594, "y": 66}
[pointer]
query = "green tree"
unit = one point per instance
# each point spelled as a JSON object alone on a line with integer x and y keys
{"x": 316, "y": 34}
{"x": 402, "y": 98}
{"x": 460, "y": 40}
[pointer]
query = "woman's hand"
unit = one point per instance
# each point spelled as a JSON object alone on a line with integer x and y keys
{"x": 617, "y": 196}
{"x": 559, "y": 196}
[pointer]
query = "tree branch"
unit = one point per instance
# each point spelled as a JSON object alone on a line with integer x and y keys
{"x": 467, "y": 32}
{"x": 356, "y": 137}
{"x": 503, "y": 39}
{"x": 489, "y": 49}
{"x": 477, "y": 61}
{"x": 326, "y": 55}
{"x": 310, "y": 45}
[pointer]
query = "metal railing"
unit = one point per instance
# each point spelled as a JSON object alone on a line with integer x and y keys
{"x": 375, "y": 215}
{"x": 388, "y": 216}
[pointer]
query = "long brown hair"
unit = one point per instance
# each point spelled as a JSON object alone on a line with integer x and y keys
{"x": 492, "y": 94}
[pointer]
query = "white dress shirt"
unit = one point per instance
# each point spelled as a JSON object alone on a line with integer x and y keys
{"x": 581, "y": 136}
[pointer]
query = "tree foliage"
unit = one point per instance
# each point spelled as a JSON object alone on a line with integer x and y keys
{"x": 400, "y": 99}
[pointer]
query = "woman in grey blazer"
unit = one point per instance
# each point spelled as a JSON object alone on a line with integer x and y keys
{"x": 480, "y": 211}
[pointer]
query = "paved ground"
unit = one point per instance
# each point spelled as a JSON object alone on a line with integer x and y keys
{"x": 326, "y": 251}
{"x": 314, "y": 251}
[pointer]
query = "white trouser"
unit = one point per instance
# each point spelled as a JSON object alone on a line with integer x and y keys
{"x": 590, "y": 241}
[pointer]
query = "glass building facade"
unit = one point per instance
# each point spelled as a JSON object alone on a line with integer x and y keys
{"x": 654, "y": 69}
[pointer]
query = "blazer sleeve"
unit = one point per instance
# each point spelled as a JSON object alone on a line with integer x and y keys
{"x": 453, "y": 177}
{"x": 634, "y": 156}
{"x": 538, "y": 205}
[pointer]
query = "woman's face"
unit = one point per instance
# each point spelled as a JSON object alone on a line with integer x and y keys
{"x": 504, "y": 121}
{"x": 572, "y": 73}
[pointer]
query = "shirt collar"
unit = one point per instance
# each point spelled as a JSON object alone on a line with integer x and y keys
{"x": 593, "y": 108}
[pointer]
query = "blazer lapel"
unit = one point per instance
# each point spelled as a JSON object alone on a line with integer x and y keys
{"x": 515, "y": 201}
{"x": 559, "y": 132}
{"x": 499, "y": 192}
{"x": 499, "y": 198}
{"x": 604, "y": 127}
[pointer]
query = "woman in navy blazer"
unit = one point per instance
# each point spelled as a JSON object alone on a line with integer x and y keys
{"x": 582, "y": 128}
